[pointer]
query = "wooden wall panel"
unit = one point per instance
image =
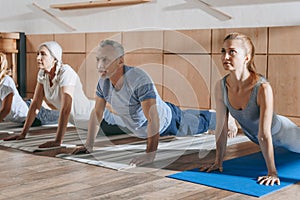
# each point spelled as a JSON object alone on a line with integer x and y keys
{"x": 188, "y": 77}
{"x": 77, "y": 62}
{"x": 185, "y": 64}
{"x": 71, "y": 43}
{"x": 284, "y": 40}
{"x": 93, "y": 39}
{"x": 33, "y": 41}
{"x": 8, "y": 45}
{"x": 151, "y": 63}
{"x": 187, "y": 41}
{"x": 284, "y": 74}
{"x": 261, "y": 64}
{"x": 92, "y": 75}
{"x": 9, "y": 61}
{"x": 143, "y": 41}
{"x": 257, "y": 35}
{"x": 296, "y": 120}
{"x": 31, "y": 73}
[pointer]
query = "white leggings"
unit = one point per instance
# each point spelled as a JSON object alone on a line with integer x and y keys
{"x": 289, "y": 135}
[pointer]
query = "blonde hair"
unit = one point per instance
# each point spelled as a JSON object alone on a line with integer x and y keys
{"x": 3, "y": 67}
{"x": 250, "y": 50}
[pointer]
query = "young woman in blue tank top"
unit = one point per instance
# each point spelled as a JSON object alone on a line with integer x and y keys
{"x": 248, "y": 97}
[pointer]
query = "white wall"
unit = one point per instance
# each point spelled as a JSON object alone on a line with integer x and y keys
{"x": 21, "y": 15}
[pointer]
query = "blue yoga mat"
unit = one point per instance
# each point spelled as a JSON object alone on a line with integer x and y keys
{"x": 240, "y": 174}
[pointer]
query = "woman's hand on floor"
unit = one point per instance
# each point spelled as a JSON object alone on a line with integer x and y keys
{"x": 50, "y": 144}
{"x": 232, "y": 127}
{"x": 211, "y": 167}
{"x": 80, "y": 150}
{"x": 143, "y": 159}
{"x": 14, "y": 137}
{"x": 268, "y": 180}
{"x": 232, "y": 132}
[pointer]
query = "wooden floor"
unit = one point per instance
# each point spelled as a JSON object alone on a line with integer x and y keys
{"x": 37, "y": 176}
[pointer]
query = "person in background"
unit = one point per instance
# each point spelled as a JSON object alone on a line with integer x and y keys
{"x": 12, "y": 106}
{"x": 61, "y": 86}
{"x": 133, "y": 96}
{"x": 248, "y": 97}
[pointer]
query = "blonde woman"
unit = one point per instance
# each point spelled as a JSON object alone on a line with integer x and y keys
{"x": 248, "y": 97}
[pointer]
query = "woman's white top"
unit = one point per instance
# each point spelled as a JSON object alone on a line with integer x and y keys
{"x": 19, "y": 108}
{"x": 81, "y": 105}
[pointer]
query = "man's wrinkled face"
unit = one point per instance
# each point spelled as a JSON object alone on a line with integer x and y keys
{"x": 107, "y": 61}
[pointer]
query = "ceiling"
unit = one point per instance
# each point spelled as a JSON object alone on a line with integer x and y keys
{"x": 24, "y": 16}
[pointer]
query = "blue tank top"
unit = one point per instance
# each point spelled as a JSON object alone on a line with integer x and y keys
{"x": 248, "y": 118}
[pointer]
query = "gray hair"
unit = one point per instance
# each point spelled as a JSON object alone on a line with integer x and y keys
{"x": 117, "y": 46}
